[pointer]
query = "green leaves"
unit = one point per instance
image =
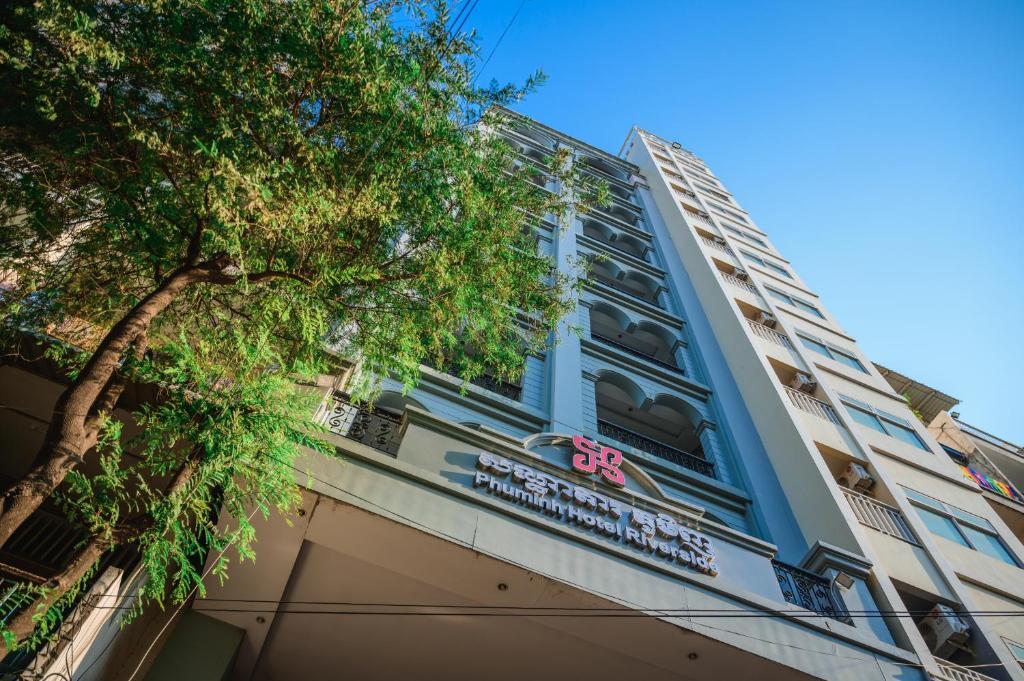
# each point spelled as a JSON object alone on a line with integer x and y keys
{"x": 344, "y": 167}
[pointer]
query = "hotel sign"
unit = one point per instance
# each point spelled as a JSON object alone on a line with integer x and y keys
{"x": 657, "y": 534}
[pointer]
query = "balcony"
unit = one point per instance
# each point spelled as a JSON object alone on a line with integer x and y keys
{"x": 646, "y": 297}
{"x": 770, "y": 334}
{"x": 810, "y": 591}
{"x": 741, "y": 283}
{"x": 879, "y": 516}
{"x": 692, "y": 462}
{"x": 700, "y": 216}
{"x": 377, "y": 428}
{"x": 635, "y": 352}
{"x": 623, "y": 243}
{"x": 954, "y": 672}
{"x": 812, "y": 405}
{"x": 717, "y": 245}
{"x": 486, "y": 381}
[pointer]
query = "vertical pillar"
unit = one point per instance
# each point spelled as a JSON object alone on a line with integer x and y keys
{"x": 565, "y": 368}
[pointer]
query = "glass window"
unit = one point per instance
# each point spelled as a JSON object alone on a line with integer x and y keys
{"x": 865, "y": 418}
{"x": 778, "y": 295}
{"x": 807, "y": 307}
{"x": 779, "y": 269}
{"x": 906, "y": 434}
{"x": 988, "y": 544}
{"x": 971, "y": 518}
{"x": 942, "y": 526}
{"x": 848, "y": 360}
{"x": 924, "y": 499}
{"x": 1016, "y": 648}
{"x": 753, "y": 258}
{"x": 819, "y": 348}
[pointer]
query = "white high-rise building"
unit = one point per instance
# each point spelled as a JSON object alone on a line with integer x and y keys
{"x": 709, "y": 481}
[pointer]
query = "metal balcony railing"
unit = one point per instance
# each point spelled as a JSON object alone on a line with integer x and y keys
{"x": 813, "y": 592}
{"x": 486, "y": 381}
{"x": 46, "y": 540}
{"x": 770, "y": 334}
{"x": 812, "y": 405}
{"x": 687, "y": 460}
{"x": 375, "y": 428}
{"x": 954, "y": 672}
{"x": 636, "y": 353}
{"x": 717, "y": 245}
{"x": 736, "y": 281}
{"x": 882, "y": 517}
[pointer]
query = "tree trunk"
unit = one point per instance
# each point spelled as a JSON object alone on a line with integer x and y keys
{"x": 75, "y": 423}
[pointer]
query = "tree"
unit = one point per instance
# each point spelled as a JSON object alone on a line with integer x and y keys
{"x": 228, "y": 193}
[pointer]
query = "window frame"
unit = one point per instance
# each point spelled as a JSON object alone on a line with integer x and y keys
{"x": 887, "y": 421}
{"x": 795, "y": 302}
{"x": 744, "y": 235}
{"x": 1016, "y": 649}
{"x": 831, "y": 351}
{"x": 961, "y": 519}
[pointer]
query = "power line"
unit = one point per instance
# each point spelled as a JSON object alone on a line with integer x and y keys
{"x": 584, "y": 613}
{"x": 500, "y": 38}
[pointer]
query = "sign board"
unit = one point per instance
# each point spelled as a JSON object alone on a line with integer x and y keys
{"x": 656, "y": 534}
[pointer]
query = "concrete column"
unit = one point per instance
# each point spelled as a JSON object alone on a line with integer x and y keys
{"x": 565, "y": 367}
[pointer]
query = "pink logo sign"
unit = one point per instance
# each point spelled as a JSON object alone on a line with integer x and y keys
{"x": 591, "y": 458}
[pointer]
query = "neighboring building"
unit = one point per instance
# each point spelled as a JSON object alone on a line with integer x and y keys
{"x": 710, "y": 480}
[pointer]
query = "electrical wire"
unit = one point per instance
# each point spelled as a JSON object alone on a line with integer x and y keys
{"x": 500, "y": 38}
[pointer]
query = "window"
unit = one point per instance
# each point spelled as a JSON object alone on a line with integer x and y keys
{"x": 883, "y": 422}
{"x": 832, "y": 352}
{"x": 1016, "y": 649}
{"x": 795, "y": 302}
{"x": 957, "y": 525}
{"x": 747, "y": 236}
{"x": 768, "y": 264}
{"x": 778, "y": 269}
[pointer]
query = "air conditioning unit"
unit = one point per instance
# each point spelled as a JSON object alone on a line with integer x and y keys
{"x": 803, "y": 383}
{"x": 766, "y": 319}
{"x": 944, "y": 631}
{"x": 741, "y": 275}
{"x": 857, "y": 477}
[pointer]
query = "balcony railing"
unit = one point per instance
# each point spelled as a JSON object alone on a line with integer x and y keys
{"x": 701, "y": 216}
{"x": 810, "y": 591}
{"x": 615, "y": 284}
{"x": 687, "y": 460}
{"x": 736, "y": 281}
{"x": 375, "y": 428}
{"x": 497, "y": 385}
{"x": 954, "y": 672}
{"x": 635, "y": 352}
{"x": 770, "y": 334}
{"x": 687, "y": 193}
{"x": 812, "y": 405}
{"x": 715, "y": 244}
{"x": 46, "y": 540}
{"x": 882, "y": 517}
{"x": 486, "y": 381}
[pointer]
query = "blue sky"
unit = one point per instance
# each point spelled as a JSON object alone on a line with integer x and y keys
{"x": 880, "y": 144}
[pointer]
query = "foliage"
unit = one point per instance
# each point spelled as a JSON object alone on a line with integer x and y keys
{"x": 216, "y": 196}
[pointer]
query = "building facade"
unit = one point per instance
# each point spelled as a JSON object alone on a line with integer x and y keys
{"x": 704, "y": 478}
